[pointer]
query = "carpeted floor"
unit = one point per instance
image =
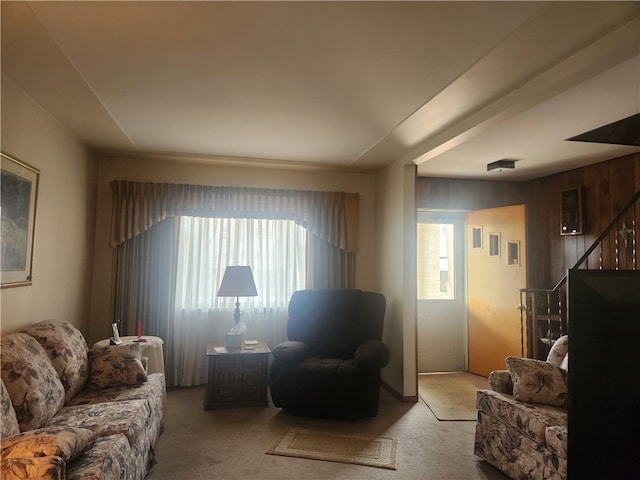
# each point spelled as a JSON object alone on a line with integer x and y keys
{"x": 451, "y": 395}
{"x": 200, "y": 444}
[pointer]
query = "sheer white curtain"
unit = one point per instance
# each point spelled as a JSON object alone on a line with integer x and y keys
{"x": 275, "y": 250}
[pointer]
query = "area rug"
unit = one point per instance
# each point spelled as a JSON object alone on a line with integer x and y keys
{"x": 359, "y": 449}
{"x": 451, "y": 396}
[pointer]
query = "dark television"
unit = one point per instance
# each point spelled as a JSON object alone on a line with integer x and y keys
{"x": 604, "y": 374}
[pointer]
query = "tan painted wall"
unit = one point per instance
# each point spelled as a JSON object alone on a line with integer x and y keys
{"x": 493, "y": 290}
{"x": 396, "y": 273}
{"x": 74, "y": 283}
{"x": 203, "y": 171}
{"x": 64, "y": 218}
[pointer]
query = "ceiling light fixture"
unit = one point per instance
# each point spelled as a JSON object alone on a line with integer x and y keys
{"x": 500, "y": 164}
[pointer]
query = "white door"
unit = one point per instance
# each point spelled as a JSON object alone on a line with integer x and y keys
{"x": 442, "y": 311}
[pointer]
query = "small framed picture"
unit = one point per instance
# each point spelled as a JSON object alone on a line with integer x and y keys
{"x": 513, "y": 253}
{"x": 494, "y": 244}
{"x": 571, "y": 221}
{"x": 476, "y": 237}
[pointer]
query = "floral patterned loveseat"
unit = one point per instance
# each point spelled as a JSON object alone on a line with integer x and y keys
{"x": 522, "y": 421}
{"x": 68, "y": 412}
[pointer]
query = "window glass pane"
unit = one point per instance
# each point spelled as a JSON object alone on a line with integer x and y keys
{"x": 274, "y": 249}
{"x": 435, "y": 261}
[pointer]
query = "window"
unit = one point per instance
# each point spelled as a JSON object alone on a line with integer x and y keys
{"x": 435, "y": 261}
{"x": 275, "y": 250}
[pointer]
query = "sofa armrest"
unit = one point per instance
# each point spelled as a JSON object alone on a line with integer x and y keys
{"x": 290, "y": 351}
{"x": 500, "y": 381}
{"x": 372, "y": 354}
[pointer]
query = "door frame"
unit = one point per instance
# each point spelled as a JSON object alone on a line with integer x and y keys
{"x": 459, "y": 216}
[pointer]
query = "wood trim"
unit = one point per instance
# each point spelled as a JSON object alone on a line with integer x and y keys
{"x": 397, "y": 395}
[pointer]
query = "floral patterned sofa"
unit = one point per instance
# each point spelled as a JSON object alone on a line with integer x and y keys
{"x": 68, "y": 412}
{"x": 522, "y": 421}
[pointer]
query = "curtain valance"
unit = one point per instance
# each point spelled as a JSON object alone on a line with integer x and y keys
{"x": 136, "y": 206}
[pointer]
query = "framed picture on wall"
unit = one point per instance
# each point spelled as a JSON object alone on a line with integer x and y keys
{"x": 571, "y": 212}
{"x": 513, "y": 253}
{"x": 494, "y": 244}
{"x": 18, "y": 202}
{"x": 476, "y": 237}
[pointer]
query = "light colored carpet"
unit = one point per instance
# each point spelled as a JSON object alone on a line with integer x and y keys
{"x": 370, "y": 450}
{"x": 451, "y": 396}
{"x": 230, "y": 444}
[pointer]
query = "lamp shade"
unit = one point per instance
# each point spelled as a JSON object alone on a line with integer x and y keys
{"x": 237, "y": 282}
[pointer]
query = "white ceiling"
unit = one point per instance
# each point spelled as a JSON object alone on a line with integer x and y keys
{"x": 450, "y": 86}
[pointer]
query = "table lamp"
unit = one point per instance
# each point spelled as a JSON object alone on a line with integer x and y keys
{"x": 237, "y": 282}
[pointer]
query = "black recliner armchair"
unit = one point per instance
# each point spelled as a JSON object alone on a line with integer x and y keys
{"x": 330, "y": 366}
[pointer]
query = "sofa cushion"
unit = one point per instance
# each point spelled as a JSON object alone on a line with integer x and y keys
{"x": 131, "y": 418}
{"x": 558, "y": 350}
{"x": 152, "y": 389}
{"x": 33, "y": 384}
{"x": 8, "y": 421}
{"x": 67, "y": 350}
{"x": 140, "y": 421}
{"x": 116, "y": 365}
{"x": 64, "y": 442}
{"x": 535, "y": 381}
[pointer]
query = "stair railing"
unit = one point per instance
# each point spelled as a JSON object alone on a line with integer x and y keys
{"x": 543, "y": 311}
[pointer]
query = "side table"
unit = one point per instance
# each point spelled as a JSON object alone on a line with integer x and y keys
{"x": 238, "y": 376}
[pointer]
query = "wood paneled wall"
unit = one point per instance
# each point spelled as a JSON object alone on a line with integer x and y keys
{"x": 608, "y": 186}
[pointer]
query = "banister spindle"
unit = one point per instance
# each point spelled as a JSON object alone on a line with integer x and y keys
{"x": 600, "y": 256}
{"x": 562, "y": 289}
{"x": 616, "y": 242}
{"x": 634, "y": 259}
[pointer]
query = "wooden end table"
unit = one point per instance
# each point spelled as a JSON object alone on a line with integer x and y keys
{"x": 237, "y": 376}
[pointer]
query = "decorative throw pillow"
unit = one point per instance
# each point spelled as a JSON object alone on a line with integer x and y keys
{"x": 33, "y": 384}
{"x": 145, "y": 364}
{"x": 8, "y": 421}
{"x": 565, "y": 362}
{"x": 116, "y": 365}
{"x": 67, "y": 349}
{"x": 558, "y": 350}
{"x": 43, "y": 468}
{"x": 64, "y": 442}
{"x": 535, "y": 381}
